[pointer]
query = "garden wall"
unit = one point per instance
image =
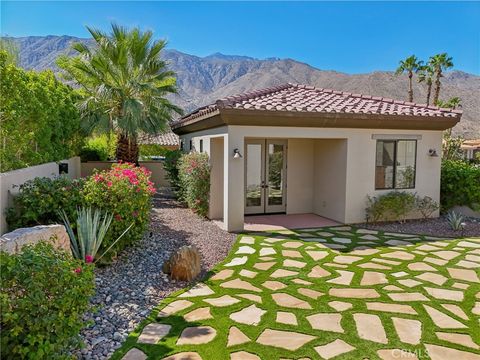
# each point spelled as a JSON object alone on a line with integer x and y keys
{"x": 158, "y": 176}
{"x": 9, "y": 181}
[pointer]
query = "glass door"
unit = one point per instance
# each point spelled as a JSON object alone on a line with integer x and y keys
{"x": 265, "y": 176}
{"x": 254, "y": 176}
{"x": 275, "y": 178}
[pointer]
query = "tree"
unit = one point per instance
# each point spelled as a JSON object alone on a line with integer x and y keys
{"x": 426, "y": 74}
{"x": 439, "y": 63}
{"x": 124, "y": 85}
{"x": 11, "y": 51}
{"x": 410, "y": 66}
{"x": 453, "y": 103}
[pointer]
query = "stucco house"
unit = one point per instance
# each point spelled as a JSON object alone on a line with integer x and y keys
{"x": 298, "y": 149}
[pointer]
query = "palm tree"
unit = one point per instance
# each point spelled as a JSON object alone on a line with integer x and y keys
{"x": 426, "y": 74}
{"x": 439, "y": 63}
{"x": 453, "y": 103}
{"x": 410, "y": 65}
{"x": 124, "y": 83}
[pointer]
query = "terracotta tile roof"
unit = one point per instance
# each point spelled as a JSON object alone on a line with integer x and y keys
{"x": 167, "y": 139}
{"x": 303, "y": 98}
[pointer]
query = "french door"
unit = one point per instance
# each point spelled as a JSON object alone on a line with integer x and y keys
{"x": 265, "y": 176}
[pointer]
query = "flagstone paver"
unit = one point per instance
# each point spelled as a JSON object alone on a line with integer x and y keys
{"x": 153, "y": 332}
{"x": 284, "y": 339}
{"x": 317, "y": 294}
{"x": 409, "y": 331}
{"x": 251, "y": 315}
{"x": 184, "y": 356}
{"x": 236, "y": 337}
{"x": 333, "y": 349}
{"x": 134, "y": 354}
{"x": 196, "y": 335}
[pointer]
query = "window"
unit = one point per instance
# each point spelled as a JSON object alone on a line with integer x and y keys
{"x": 395, "y": 164}
{"x": 190, "y": 145}
{"x": 182, "y": 144}
{"x": 201, "y": 145}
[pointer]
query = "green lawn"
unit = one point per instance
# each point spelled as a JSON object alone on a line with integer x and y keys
{"x": 363, "y": 294}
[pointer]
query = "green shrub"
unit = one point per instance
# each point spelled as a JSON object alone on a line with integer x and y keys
{"x": 99, "y": 148}
{"x": 426, "y": 206}
{"x": 170, "y": 165}
{"x": 44, "y": 294}
{"x": 194, "y": 174}
{"x": 39, "y": 120}
{"x": 40, "y": 199}
{"x": 395, "y": 205}
{"x": 146, "y": 151}
{"x": 460, "y": 184}
{"x": 126, "y": 192}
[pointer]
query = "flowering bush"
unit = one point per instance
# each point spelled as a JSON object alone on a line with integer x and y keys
{"x": 44, "y": 293}
{"x": 194, "y": 174}
{"x": 126, "y": 192}
{"x": 40, "y": 199}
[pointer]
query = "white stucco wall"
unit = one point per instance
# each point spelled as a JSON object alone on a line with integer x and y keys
{"x": 340, "y": 176}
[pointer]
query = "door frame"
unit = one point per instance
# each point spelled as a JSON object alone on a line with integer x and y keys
{"x": 264, "y": 208}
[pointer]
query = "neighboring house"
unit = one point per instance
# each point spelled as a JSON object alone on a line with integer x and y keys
{"x": 299, "y": 149}
{"x": 168, "y": 140}
{"x": 471, "y": 149}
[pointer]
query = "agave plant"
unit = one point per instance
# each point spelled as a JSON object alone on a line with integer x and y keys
{"x": 92, "y": 226}
{"x": 455, "y": 220}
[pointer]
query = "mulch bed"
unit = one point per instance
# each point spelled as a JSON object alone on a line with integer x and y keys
{"x": 433, "y": 227}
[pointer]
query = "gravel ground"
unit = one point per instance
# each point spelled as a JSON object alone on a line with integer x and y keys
{"x": 434, "y": 227}
{"x": 134, "y": 284}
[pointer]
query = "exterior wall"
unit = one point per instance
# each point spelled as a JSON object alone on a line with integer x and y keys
{"x": 300, "y": 176}
{"x": 330, "y": 180}
{"x": 216, "y": 178}
{"x": 159, "y": 175}
{"x": 10, "y": 181}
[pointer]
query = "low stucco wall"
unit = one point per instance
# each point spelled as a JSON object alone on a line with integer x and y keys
{"x": 10, "y": 182}
{"x": 159, "y": 175}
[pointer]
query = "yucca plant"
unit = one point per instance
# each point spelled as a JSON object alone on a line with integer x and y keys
{"x": 456, "y": 220}
{"x": 92, "y": 226}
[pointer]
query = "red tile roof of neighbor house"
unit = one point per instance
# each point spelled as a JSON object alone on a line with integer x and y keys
{"x": 167, "y": 139}
{"x": 309, "y": 99}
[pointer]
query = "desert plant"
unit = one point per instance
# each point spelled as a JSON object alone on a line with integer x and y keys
{"x": 426, "y": 206}
{"x": 126, "y": 192}
{"x": 39, "y": 200}
{"x": 395, "y": 205}
{"x": 194, "y": 174}
{"x": 455, "y": 220}
{"x": 125, "y": 84}
{"x": 44, "y": 294}
{"x": 410, "y": 66}
{"x": 92, "y": 226}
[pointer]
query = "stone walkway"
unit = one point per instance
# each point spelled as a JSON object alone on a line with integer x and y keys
{"x": 338, "y": 292}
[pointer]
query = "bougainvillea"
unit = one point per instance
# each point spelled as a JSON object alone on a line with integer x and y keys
{"x": 126, "y": 192}
{"x": 194, "y": 173}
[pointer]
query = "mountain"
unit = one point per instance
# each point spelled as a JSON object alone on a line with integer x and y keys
{"x": 201, "y": 80}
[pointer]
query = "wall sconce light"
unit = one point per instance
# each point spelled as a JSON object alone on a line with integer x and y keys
{"x": 432, "y": 153}
{"x": 236, "y": 154}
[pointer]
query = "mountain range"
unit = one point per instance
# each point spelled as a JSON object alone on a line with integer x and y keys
{"x": 202, "y": 80}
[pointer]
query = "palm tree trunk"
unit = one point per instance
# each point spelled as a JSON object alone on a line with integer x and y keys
{"x": 429, "y": 92}
{"x": 127, "y": 149}
{"x": 410, "y": 87}
{"x": 437, "y": 89}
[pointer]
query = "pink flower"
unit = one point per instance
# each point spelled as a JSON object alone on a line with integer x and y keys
{"x": 89, "y": 259}
{"x": 118, "y": 217}
{"x": 109, "y": 184}
{"x": 78, "y": 270}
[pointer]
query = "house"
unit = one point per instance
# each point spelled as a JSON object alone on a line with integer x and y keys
{"x": 471, "y": 149}
{"x": 298, "y": 149}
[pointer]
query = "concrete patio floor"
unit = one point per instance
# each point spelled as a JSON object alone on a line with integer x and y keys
{"x": 284, "y": 222}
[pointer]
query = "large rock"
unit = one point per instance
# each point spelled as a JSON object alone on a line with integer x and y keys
{"x": 13, "y": 242}
{"x": 184, "y": 264}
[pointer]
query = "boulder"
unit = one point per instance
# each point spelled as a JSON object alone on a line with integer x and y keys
{"x": 13, "y": 242}
{"x": 184, "y": 264}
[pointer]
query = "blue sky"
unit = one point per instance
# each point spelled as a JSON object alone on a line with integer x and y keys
{"x": 351, "y": 37}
